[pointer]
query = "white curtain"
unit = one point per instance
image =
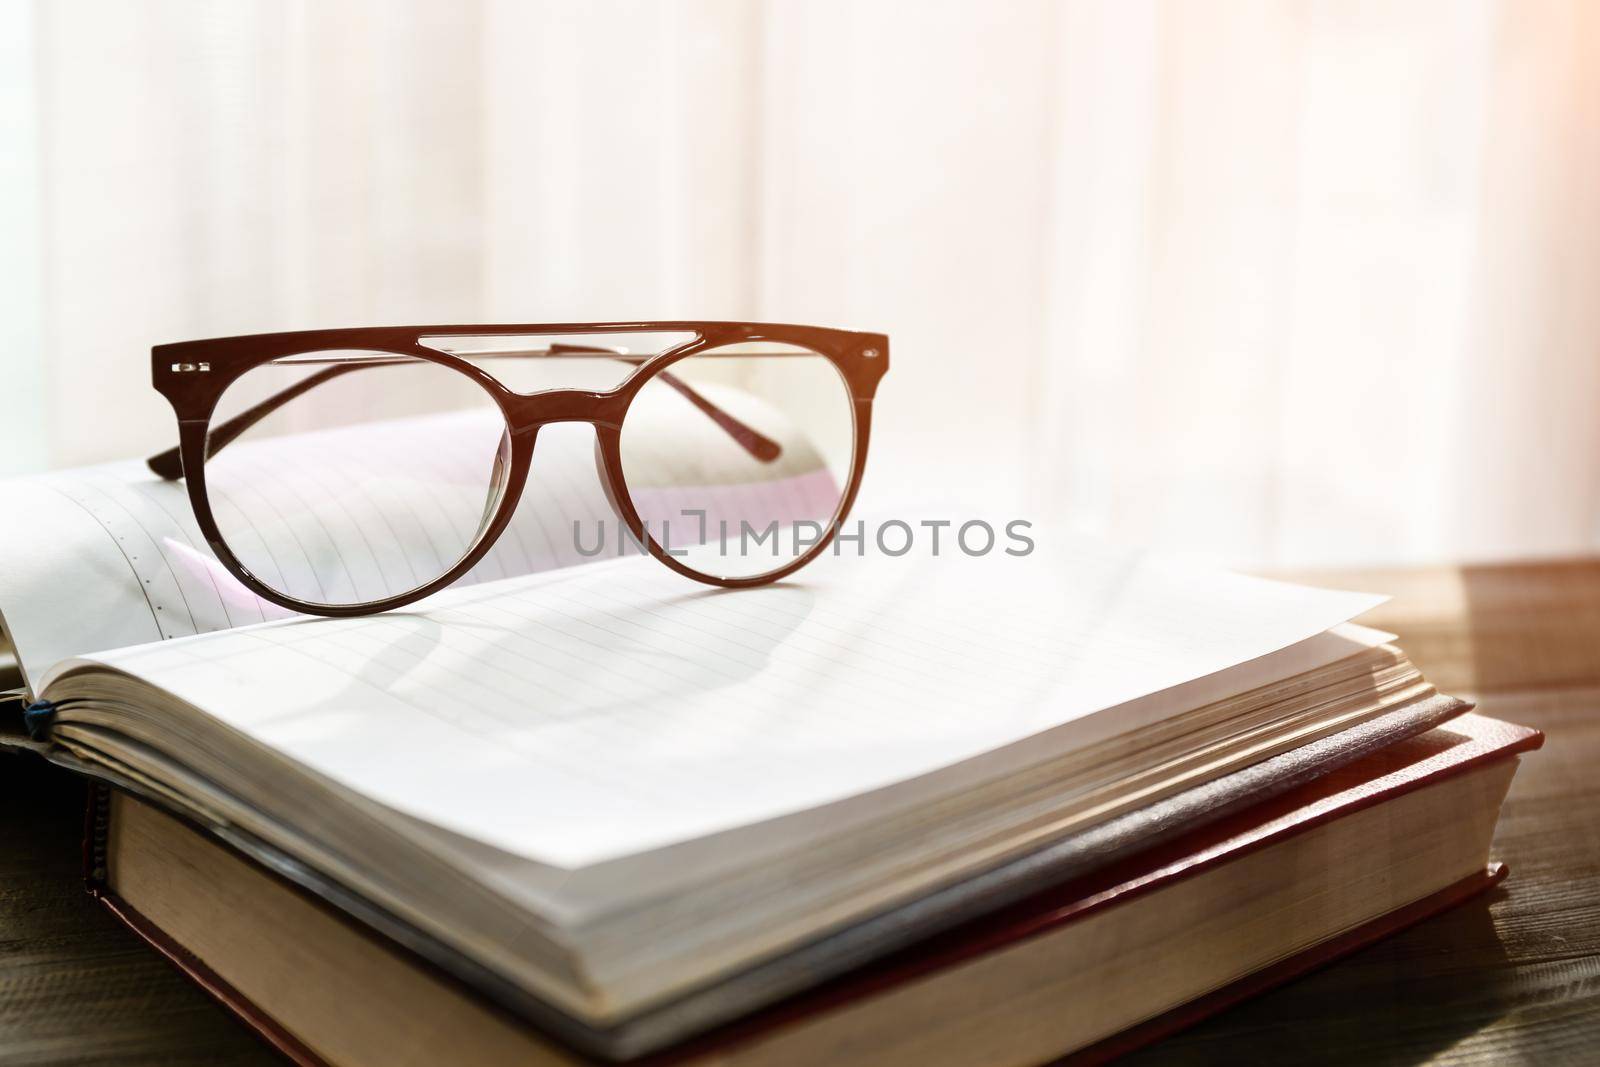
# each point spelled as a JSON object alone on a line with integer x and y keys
{"x": 1276, "y": 283}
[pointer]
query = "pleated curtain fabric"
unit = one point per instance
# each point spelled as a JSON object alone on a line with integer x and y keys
{"x": 1276, "y": 283}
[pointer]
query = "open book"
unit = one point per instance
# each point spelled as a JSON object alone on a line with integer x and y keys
{"x": 629, "y": 806}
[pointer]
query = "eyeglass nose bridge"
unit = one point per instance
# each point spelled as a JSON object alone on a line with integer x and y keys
{"x": 526, "y": 412}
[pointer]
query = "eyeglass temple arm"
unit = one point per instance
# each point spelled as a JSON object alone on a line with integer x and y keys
{"x": 753, "y": 441}
{"x": 169, "y": 464}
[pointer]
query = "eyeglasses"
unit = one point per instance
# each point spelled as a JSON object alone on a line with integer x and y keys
{"x": 345, "y": 472}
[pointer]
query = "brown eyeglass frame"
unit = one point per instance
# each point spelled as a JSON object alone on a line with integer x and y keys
{"x": 193, "y": 375}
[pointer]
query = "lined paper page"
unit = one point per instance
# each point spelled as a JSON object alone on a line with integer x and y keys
{"x": 126, "y": 541}
{"x": 586, "y": 715}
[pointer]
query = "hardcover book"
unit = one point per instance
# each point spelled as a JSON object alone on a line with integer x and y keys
{"x": 1094, "y": 966}
{"x": 627, "y": 811}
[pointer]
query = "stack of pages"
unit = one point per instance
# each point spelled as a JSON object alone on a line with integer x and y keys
{"x": 917, "y": 809}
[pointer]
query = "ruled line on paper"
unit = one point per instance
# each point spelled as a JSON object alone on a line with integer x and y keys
{"x": 580, "y": 715}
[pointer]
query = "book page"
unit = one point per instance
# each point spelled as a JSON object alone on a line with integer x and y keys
{"x": 580, "y": 716}
{"x": 107, "y": 556}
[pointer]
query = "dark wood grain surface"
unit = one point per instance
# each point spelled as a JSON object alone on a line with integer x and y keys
{"x": 1511, "y": 977}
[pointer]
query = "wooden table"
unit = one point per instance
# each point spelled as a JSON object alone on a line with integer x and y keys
{"x": 1513, "y": 976}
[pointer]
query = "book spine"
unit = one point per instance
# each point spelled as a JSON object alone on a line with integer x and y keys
{"x": 96, "y": 828}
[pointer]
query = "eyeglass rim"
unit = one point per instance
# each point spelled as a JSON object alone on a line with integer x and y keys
{"x": 193, "y": 375}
